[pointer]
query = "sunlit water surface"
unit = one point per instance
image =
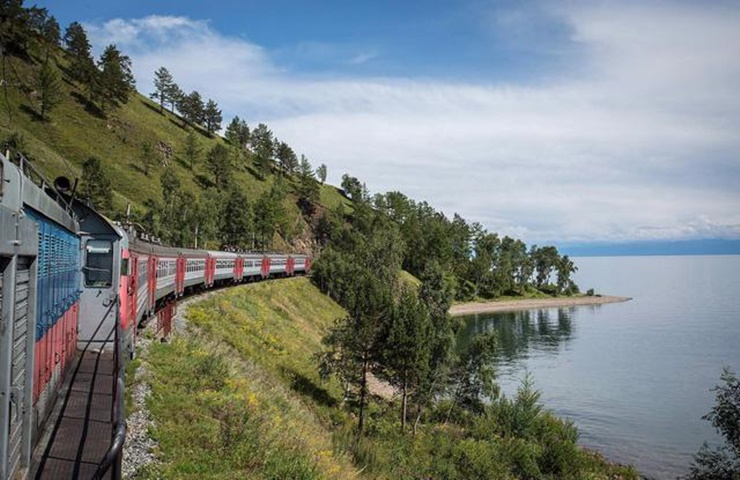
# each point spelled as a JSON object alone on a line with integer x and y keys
{"x": 635, "y": 377}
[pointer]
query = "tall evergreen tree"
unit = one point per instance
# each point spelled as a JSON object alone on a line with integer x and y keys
{"x": 191, "y": 108}
{"x": 263, "y": 142}
{"x": 116, "y": 79}
{"x": 49, "y": 87}
{"x": 220, "y": 165}
{"x": 406, "y": 347}
{"x": 286, "y": 157}
{"x": 163, "y": 83}
{"x": 82, "y": 66}
{"x": 321, "y": 173}
{"x": 96, "y": 186}
{"x": 146, "y": 157}
{"x": 237, "y": 133}
{"x": 308, "y": 187}
{"x": 191, "y": 153}
{"x": 212, "y": 117}
{"x": 14, "y": 25}
{"x": 236, "y": 228}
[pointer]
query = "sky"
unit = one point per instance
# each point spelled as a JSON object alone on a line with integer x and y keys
{"x": 553, "y": 122}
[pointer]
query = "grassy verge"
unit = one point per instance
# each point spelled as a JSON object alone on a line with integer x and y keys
{"x": 229, "y": 397}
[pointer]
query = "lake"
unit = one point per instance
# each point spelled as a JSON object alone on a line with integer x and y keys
{"x": 635, "y": 377}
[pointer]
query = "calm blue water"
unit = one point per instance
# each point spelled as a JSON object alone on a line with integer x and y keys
{"x": 635, "y": 377}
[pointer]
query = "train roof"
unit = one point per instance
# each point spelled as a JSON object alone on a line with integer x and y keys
{"x": 19, "y": 191}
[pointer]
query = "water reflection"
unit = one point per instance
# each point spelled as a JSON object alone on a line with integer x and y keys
{"x": 521, "y": 333}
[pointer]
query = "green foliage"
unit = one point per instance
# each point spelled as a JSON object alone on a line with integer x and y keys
{"x": 163, "y": 84}
{"x": 192, "y": 151}
{"x": 321, "y": 173}
{"x": 146, "y": 157}
{"x": 220, "y": 165}
{"x": 237, "y": 133}
{"x": 308, "y": 188}
{"x": 191, "y": 107}
{"x": 81, "y": 64}
{"x": 49, "y": 87}
{"x": 96, "y": 186}
{"x": 722, "y": 463}
{"x": 236, "y": 225}
{"x": 269, "y": 215}
{"x": 263, "y": 143}
{"x": 116, "y": 80}
{"x": 212, "y": 117}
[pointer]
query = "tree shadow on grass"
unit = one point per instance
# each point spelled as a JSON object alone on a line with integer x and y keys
{"x": 32, "y": 113}
{"x": 89, "y": 106}
{"x": 305, "y": 386}
{"x": 203, "y": 181}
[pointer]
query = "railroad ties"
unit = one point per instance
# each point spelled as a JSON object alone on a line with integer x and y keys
{"x": 81, "y": 426}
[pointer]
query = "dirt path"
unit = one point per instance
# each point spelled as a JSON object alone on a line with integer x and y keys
{"x": 531, "y": 303}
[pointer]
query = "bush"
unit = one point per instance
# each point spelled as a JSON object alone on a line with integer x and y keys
{"x": 722, "y": 463}
{"x": 590, "y": 292}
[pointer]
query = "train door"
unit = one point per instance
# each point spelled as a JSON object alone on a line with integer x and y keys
{"x": 101, "y": 281}
{"x": 238, "y": 269}
{"x": 133, "y": 289}
{"x": 152, "y": 282}
{"x": 17, "y": 339}
{"x": 265, "y": 267}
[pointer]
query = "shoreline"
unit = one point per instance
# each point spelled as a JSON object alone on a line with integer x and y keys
{"x": 471, "y": 308}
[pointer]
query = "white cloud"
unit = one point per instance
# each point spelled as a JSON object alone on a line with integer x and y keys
{"x": 643, "y": 146}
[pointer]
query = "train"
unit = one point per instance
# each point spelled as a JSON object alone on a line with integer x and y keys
{"x": 72, "y": 279}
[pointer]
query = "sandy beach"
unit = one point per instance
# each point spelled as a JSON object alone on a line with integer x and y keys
{"x": 530, "y": 303}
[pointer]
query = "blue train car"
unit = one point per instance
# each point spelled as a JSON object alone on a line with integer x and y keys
{"x": 39, "y": 302}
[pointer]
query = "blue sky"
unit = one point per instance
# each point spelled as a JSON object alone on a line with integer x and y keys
{"x": 551, "y": 121}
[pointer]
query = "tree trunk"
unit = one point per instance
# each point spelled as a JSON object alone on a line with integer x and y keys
{"x": 363, "y": 395}
{"x": 404, "y": 403}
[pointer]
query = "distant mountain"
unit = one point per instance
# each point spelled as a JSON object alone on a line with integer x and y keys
{"x": 711, "y": 246}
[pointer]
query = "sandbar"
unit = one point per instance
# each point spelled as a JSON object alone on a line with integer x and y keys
{"x": 471, "y": 308}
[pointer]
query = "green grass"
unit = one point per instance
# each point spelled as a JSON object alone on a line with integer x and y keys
{"x": 239, "y": 397}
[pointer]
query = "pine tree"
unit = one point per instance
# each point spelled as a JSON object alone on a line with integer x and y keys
{"x": 14, "y": 25}
{"x": 286, "y": 157}
{"x": 146, "y": 157}
{"x": 220, "y": 165}
{"x": 191, "y": 153}
{"x": 82, "y": 66}
{"x": 263, "y": 142}
{"x": 96, "y": 186}
{"x": 321, "y": 173}
{"x": 236, "y": 228}
{"x": 212, "y": 117}
{"x": 163, "y": 83}
{"x": 116, "y": 79}
{"x": 407, "y": 344}
{"x": 308, "y": 188}
{"x": 49, "y": 87}
{"x": 191, "y": 108}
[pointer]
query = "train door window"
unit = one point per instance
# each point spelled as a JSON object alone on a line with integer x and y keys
{"x": 98, "y": 268}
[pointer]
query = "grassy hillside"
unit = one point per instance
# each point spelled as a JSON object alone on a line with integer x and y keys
{"x": 77, "y": 130}
{"x": 239, "y": 396}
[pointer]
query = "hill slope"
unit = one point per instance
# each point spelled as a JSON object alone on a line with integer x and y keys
{"x": 78, "y": 130}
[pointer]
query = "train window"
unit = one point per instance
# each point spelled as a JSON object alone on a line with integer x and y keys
{"x": 98, "y": 268}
